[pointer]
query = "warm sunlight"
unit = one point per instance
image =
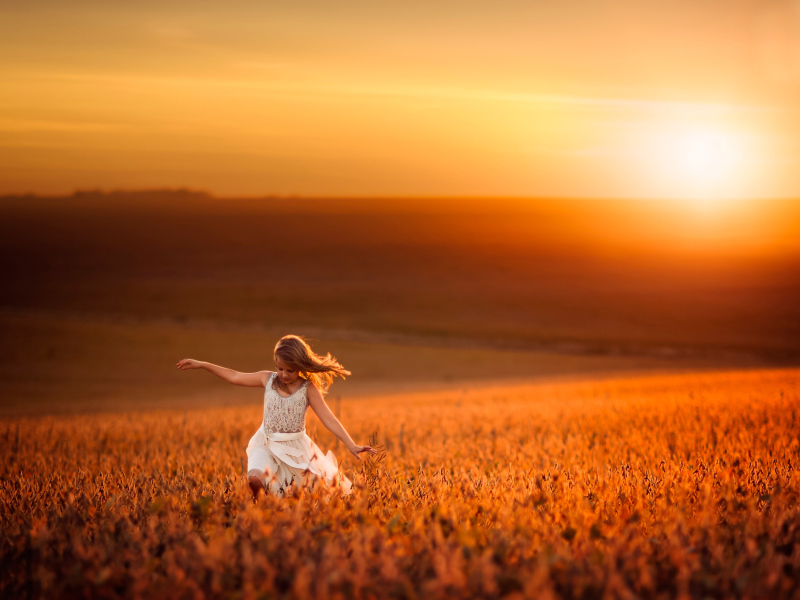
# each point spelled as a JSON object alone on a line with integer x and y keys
{"x": 706, "y": 156}
{"x": 702, "y": 163}
{"x": 371, "y": 100}
{"x": 546, "y": 253}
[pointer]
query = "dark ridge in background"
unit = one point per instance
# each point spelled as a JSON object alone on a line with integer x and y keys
{"x": 575, "y": 276}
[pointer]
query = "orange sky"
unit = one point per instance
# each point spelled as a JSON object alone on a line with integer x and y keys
{"x": 694, "y": 100}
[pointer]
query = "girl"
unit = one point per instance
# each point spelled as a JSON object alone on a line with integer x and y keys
{"x": 280, "y": 453}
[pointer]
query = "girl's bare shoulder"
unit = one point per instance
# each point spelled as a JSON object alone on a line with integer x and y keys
{"x": 265, "y": 377}
{"x": 312, "y": 391}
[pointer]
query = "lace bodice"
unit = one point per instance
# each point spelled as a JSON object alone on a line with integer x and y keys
{"x": 286, "y": 415}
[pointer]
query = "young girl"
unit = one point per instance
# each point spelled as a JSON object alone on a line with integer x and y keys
{"x": 280, "y": 453}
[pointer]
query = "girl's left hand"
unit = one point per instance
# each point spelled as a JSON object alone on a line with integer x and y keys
{"x": 356, "y": 450}
{"x": 188, "y": 363}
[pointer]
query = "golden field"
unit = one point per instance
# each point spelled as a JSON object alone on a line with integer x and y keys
{"x": 678, "y": 485}
{"x": 576, "y": 399}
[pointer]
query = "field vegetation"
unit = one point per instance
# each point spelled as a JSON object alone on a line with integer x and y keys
{"x": 580, "y": 277}
{"x": 637, "y": 487}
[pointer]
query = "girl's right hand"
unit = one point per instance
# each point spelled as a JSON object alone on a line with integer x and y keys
{"x": 189, "y": 363}
{"x": 356, "y": 450}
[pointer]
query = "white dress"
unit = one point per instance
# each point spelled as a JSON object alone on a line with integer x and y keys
{"x": 282, "y": 450}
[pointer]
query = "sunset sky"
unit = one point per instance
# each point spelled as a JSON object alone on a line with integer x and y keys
{"x": 695, "y": 100}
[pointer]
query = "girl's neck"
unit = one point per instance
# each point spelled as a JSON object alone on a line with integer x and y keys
{"x": 280, "y": 386}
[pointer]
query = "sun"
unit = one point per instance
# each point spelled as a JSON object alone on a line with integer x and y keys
{"x": 702, "y": 164}
{"x": 705, "y": 156}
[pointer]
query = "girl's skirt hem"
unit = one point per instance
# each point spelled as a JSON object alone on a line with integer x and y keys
{"x": 290, "y": 461}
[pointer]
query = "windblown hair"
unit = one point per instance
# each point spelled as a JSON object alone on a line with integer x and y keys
{"x": 319, "y": 370}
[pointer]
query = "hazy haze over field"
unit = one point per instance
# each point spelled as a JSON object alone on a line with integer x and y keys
{"x": 103, "y": 293}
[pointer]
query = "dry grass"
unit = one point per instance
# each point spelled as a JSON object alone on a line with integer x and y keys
{"x": 670, "y": 486}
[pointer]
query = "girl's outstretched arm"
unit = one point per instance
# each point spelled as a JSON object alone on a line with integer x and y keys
{"x": 258, "y": 379}
{"x": 317, "y": 402}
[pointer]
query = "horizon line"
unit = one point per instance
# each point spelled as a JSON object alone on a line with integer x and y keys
{"x": 378, "y": 196}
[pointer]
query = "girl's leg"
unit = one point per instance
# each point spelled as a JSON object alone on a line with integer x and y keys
{"x": 256, "y": 480}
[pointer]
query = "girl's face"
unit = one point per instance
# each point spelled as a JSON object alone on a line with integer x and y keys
{"x": 287, "y": 374}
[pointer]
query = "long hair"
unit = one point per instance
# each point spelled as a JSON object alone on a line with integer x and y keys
{"x": 319, "y": 370}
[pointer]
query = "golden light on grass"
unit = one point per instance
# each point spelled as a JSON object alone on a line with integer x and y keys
{"x": 668, "y": 486}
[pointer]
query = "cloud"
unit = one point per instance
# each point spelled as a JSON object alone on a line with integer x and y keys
{"x": 169, "y": 32}
{"x": 412, "y": 92}
{"x": 779, "y": 42}
{"x": 259, "y": 66}
{"x": 29, "y": 125}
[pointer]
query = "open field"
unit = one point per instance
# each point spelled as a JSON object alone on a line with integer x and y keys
{"x": 103, "y": 293}
{"x": 581, "y": 277}
{"x": 637, "y": 487}
{"x": 70, "y": 364}
{"x": 576, "y": 399}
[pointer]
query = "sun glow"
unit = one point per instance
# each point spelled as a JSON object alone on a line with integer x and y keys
{"x": 702, "y": 164}
{"x": 705, "y": 156}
